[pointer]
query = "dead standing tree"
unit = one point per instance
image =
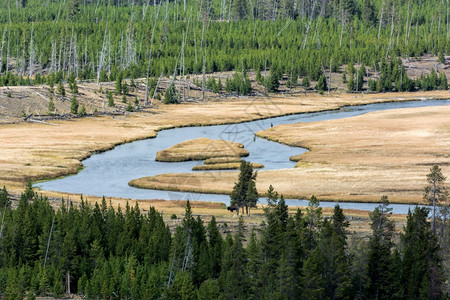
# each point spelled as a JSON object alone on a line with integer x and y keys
{"x": 1, "y": 50}
{"x": 150, "y": 56}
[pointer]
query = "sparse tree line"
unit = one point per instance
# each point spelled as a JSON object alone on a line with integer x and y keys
{"x": 101, "y": 252}
{"x": 102, "y": 41}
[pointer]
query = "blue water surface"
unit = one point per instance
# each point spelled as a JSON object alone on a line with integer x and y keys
{"x": 108, "y": 173}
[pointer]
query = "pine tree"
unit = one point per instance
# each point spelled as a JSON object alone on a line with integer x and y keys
{"x": 305, "y": 82}
{"x": 368, "y": 13}
{"x": 326, "y": 269}
{"x": 82, "y": 112}
{"x": 74, "y": 105}
{"x": 182, "y": 288}
{"x": 171, "y": 96}
{"x": 321, "y": 84}
{"x": 443, "y": 82}
{"x": 360, "y": 77}
{"x": 118, "y": 89}
{"x": 254, "y": 261}
{"x": 110, "y": 99}
{"x": 272, "y": 239}
{"x": 232, "y": 278}
{"x": 422, "y": 265}
{"x": 380, "y": 256}
{"x": 435, "y": 192}
{"x": 129, "y": 107}
{"x": 215, "y": 246}
{"x": 358, "y": 251}
{"x": 273, "y": 82}
{"x": 244, "y": 192}
{"x": 61, "y": 90}
{"x": 259, "y": 77}
{"x": 209, "y": 289}
{"x": 51, "y": 105}
{"x": 314, "y": 222}
{"x": 239, "y": 9}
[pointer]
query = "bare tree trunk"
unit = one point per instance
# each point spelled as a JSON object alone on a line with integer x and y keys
{"x": 68, "y": 282}
{"x": 265, "y": 76}
{"x": 48, "y": 242}
{"x": 182, "y": 69}
{"x": 203, "y": 51}
{"x": 101, "y": 58}
{"x": 392, "y": 29}
{"x": 32, "y": 54}
{"x": 416, "y": 38}
{"x": 439, "y": 21}
{"x": 292, "y": 66}
{"x": 380, "y": 21}
{"x": 150, "y": 56}
{"x": 53, "y": 62}
{"x": 60, "y": 56}
{"x": 342, "y": 27}
{"x": 406, "y": 23}
{"x": 7, "y": 57}
{"x": 17, "y": 56}
{"x": 447, "y": 16}
{"x": 204, "y": 77}
{"x": 1, "y": 50}
{"x": 309, "y": 25}
{"x": 329, "y": 78}
{"x": 70, "y": 64}
{"x": 156, "y": 87}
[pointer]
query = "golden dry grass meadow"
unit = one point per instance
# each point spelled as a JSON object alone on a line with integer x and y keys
{"x": 339, "y": 167}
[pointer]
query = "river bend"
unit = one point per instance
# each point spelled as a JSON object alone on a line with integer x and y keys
{"x": 108, "y": 173}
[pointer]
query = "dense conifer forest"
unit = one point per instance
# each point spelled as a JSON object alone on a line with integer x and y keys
{"x": 106, "y": 40}
{"x": 101, "y": 252}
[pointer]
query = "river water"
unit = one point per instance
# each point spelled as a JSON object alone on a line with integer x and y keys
{"x": 108, "y": 173}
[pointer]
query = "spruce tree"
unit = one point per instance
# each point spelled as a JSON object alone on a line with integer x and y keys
{"x": 273, "y": 82}
{"x": 422, "y": 265}
{"x": 74, "y": 105}
{"x": 215, "y": 246}
{"x": 321, "y": 84}
{"x": 244, "y": 192}
{"x": 171, "y": 96}
{"x": 380, "y": 256}
{"x": 61, "y": 90}
{"x": 435, "y": 192}
{"x": 51, "y": 105}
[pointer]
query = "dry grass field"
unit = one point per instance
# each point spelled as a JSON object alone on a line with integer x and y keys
{"x": 354, "y": 159}
{"x": 41, "y": 151}
{"x": 201, "y": 149}
{"x": 218, "y": 154}
{"x": 224, "y": 166}
{"x": 37, "y": 151}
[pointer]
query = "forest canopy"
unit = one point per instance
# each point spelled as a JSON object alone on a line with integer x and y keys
{"x": 97, "y": 251}
{"x": 101, "y": 39}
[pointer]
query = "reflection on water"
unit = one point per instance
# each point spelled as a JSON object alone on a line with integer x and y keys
{"x": 108, "y": 173}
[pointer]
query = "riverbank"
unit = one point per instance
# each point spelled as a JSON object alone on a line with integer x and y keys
{"x": 33, "y": 151}
{"x": 355, "y": 159}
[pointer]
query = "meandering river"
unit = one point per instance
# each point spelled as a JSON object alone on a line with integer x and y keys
{"x": 107, "y": 174}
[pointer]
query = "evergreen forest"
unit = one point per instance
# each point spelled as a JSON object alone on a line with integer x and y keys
{"x": 106, "y": 40}
{"x": 97, "y": 252}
